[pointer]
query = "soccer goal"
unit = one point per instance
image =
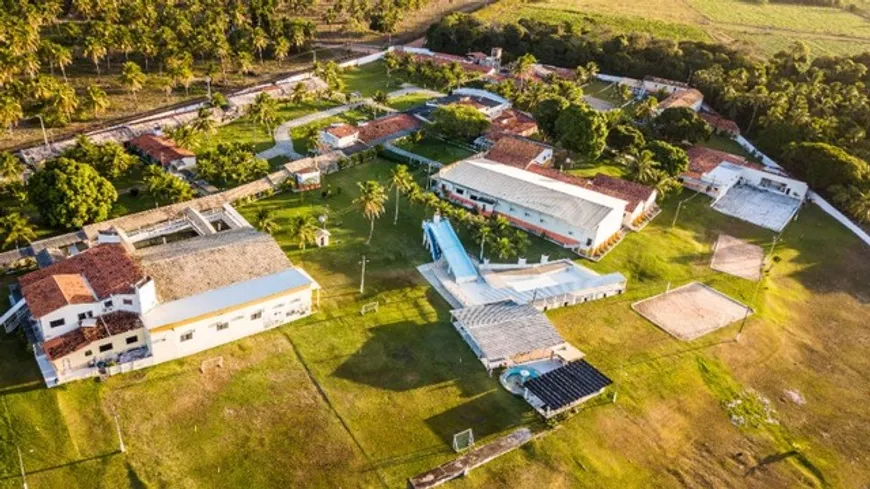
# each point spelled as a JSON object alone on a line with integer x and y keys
{"x": 367, "y": 308}
{"x": 463, "y": 440}
{"x": 211, "y": 364}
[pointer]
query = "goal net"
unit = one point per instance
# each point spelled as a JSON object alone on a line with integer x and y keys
{"x": 367, "y": 308}
{"x": 210, "y": 364}
{"x": 463, "y": 440}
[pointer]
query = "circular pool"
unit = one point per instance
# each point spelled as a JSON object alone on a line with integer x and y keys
{"x": 514, "y": 377}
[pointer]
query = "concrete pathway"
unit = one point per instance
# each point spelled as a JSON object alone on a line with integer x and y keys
{"x": 284, "y": 144}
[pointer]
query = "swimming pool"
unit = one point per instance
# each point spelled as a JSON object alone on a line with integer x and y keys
{"x": 513, "y": 378}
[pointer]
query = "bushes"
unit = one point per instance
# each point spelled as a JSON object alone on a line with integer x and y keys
{"x": 358, "y": 158}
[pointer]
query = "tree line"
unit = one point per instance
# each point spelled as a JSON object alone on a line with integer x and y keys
{"x": 783, "y": 103}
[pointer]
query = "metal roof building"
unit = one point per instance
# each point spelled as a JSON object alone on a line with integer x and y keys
{"x": 505, "y": 333}
{"x": 568, "y": 214}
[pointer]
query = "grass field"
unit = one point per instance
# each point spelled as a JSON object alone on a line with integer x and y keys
{"x": 340, "y": 400}
{"x": 764, "y": 28}
{"x": 406, "y": 102}
{"x": 435, "y": 149}
{"x": 368, "y": 79}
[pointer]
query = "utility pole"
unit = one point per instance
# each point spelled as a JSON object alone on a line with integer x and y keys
{"x": 362, "y": 281}
{"x": 757, "y": 288}
{"x": 21, "y": 465}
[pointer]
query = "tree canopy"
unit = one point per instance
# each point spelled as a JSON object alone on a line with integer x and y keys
{"x": 679, "y": 124}
{"x": 69, "y": 194}
{"x": 459, "y": 121}
{"x": 671, "y": 159}
{"x": 231, "y": 164}
{"x": 823, "y": 165}
{"x": 582, "y": 129}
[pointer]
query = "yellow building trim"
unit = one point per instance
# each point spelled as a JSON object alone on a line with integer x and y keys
{"x": 226, "y": 310}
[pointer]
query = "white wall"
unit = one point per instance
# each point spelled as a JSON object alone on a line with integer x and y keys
{"x": 81, "y": 359}
{"x": 167, "y": 345}
{"x": 146, "y": 296}
{"x": 70, "y": 315}
{"x": 335, "y": 142}
{"x": 795, "y": 188}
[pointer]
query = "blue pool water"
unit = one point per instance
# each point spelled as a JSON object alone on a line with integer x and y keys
{"x": 513, "y": 378}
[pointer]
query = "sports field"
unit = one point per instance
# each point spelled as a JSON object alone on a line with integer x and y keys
{"x": 766, "y": 28}
{"x": 343, "y": 400}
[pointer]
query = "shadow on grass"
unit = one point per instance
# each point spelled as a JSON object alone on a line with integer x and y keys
{"x": 61, "y": 466}
{"x": 494, "y": 412}
{"x": 19, "y": 372}
{"x": 133, "y": 478}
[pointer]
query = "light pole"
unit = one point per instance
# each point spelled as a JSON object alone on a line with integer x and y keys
{"x": 208, "y": 86}
{"x": 21, "y": 464}
{"x": 362, "y": 281}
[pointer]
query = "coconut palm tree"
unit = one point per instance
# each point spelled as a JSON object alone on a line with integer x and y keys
{"x": 303, "y": 230}
{"x": 264, "y": 110}
{"x": 96, "y": 51}
{"x": 15, "y": 229}
{"x": 642, "y": 169}
{"x": 185, "y": 136}
{"x": 10, "y": 111}
{"x": 132, "y": 78}
{"x": 483, "y": 232}
{"x": 203, "y": 122}
{"x": 504, "y": 248}
{"x": 95, "y": 101}
{"x": 300, "y": 93}
{"x": 266, "y": 221}
{"x": 402, "y": 181}
{"x": 521, "y": 67}
{"x": 281, "y": 47}
{"x": 371, "y": 201}
{"x": 259, "y": 41}
{"x": 11, "y": 167}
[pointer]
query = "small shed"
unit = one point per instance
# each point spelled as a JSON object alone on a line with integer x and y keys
{"x": 321, "y": 237}
{"x": 307, "y": 179}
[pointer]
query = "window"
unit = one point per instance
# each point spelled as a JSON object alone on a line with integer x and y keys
{"x": 256, "y": 315}
{"x": 89, "y": 353}
{"x": 106, "y": 347}
{"x": 57, "y": 323}
{"x": 543, "y": 220}
{"x": 222, "y": 326}
{"x": 570, "y": 233}
{"x": 85, "y": 315}
{"x": 187, "y": 336}
{"x": 460, "y": 191}
{"x": 238, "y": 318}
{"x": 107, "y": 304}
{"x": 279, "y": 306}
{"x": 589, "y": 242}
{"x": 128, "y": 302}
{"x": 132, "y": 339}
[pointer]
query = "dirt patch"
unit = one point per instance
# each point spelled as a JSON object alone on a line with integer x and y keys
{"x": 691, "y": 311}
{"x": 738, "y": 258}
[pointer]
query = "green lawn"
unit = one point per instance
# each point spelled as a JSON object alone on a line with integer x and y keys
{"x": 606, "y": 167}
{"x": 368, "y": 79}
{"x": 244, "y": 131}
{"x": 435, "y": 149}
{"x": 406, "y": 102}
{"x": 724, "y": 143}
{"x": 343, "y": 400}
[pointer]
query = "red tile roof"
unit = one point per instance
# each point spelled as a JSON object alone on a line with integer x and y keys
{"x": 721, "y": 123}
{"x": 342, "y": 130}
{"x": 682, "y": 98}
{"x": 105, "y": 269}
{"x": 159, "y": 148}
{"x": 477, "y": 55}
{"x": 387, "y": 126}
{"x": 111, "y": 324}
{"x": 633, "y": 192}
{"x": 703, "y": 160}
{"x": 515, "y": 151}
{"x": 511, "y": 122}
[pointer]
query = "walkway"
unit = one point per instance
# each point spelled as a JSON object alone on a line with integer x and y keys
{"x": 284, "y": 143}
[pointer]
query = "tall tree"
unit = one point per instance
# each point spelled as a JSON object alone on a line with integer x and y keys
{"x": 132, "y": 78}
{"x": 402, "y": 182}
{"x": 582, "y": 129}
{"x": 303, "y": 230}
{"x": 264, "y": 110}
{"x": 266, "y": 221}
{"x": 15, "y": 229}
{"x": 165, "y": 187}
{"x": 371, "y": 201}
{"x": 95, "y": 101}
{"x": 10, "y": 111}
{"x": 69, "y": 194}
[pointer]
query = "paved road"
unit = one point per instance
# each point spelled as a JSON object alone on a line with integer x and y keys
{"x": 284, "y": 144}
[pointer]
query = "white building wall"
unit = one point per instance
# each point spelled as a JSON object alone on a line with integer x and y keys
{"x": 146, "y": 296}
{"x": 793, "y": 188}
{"x": 585, "y": 237}
{"x": 169, "y": 345}
{"x": 335, "y": 142}
{"x": 91, "y": 353}
{"x": 70, "y": 315}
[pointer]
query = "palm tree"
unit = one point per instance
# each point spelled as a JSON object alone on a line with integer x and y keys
{"x": 185, "y": 136}
{"x": 11, "y": 167}
{"x": 203, "y": 122}
{"x": 10, "y": 111}
{"x": 483, "y": 232}
{"x": 259, "y": 41}
{"x": 646, "y": 109}
{"x": 95, "y": 101}
{"x": 304, "y": 230}
{"x": 15, "y": 228}
{"x": 380, "y": 97}
{"x": 281, "y": 48}
{"x": 371, "y": 201}
{"x": 65, "y": 100}
{"x": 264, "y": 110}
{"x": 300, "y": 93}
{"x": 402, "y": 181}
{"x": 642, "y": 169}
{"x": 132, "y": 78}
{"x": 96, "y": 50}
{"x": 266, "y": 221}
{"x": 504, "y": 248}
{"x": 521, "y": 67}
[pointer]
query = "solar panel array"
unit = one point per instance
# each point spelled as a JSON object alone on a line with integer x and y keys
{"x": 567, "y": 384}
